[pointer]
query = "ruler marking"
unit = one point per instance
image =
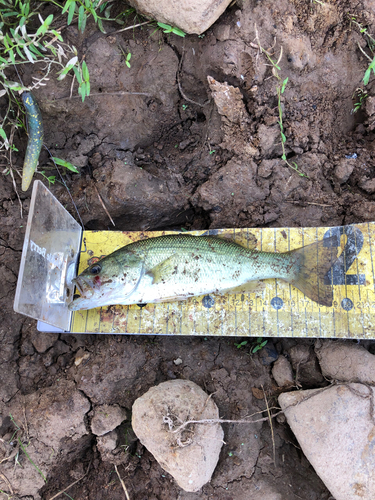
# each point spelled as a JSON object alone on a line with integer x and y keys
{"x": 181, "y": 317}
{"x": 153, "y": 322}
{"x": 87, "y": 314}
{"x": 127, "y": 318}
{"x": 114, "y": 317}
{"x": 100, "y": 318}
{"x": 167, "y": 321}
{"x": 140, "y": 320}
{"x": 290, "y": 292}
{"x": 372, "y": 262}
{"x": 359, "y": 283}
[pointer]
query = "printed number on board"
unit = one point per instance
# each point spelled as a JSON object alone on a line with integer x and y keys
{"x": 337, "y": 275}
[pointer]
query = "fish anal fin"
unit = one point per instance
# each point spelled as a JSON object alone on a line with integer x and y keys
{"x": 164, "y": 270}
{"x": 249, "y": 287}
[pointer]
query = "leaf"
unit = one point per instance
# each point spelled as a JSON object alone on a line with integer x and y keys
{"x": 284, "y": 84}
{"x": 85, "y": 72}
{"x": 366, "y": 78}
{"x": 49, "y": 20}
{"x": 81, "y": 19}
{"x": 72, "y": 8}
{"x": 66, "y": 6}
{"x": 78, "y": 74}
{"x": 284, "y": 157}
{"x": 164, "y": 26}
{"x": 28, "y": 54}
{"x": 3, "y": 134}
{"x": 87, "y": 88}
{"x": 66, "y": 164}
{"x": 283, "y": 138}
{"x": 101, "y": 27}
{"x": 178, "y": 32}
{"x": 82, "y": 91}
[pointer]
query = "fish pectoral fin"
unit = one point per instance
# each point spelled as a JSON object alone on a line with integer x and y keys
{"x": 249, "y": 287}
{"x": 161, "y": 272}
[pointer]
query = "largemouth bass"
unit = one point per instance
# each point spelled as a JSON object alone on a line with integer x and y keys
{"x": 176, "y": 267}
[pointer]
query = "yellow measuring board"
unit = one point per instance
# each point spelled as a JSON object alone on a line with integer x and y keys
{"x": 279, "y": 310}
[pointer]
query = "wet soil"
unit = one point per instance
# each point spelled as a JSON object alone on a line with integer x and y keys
{"x": 164, "y": 150}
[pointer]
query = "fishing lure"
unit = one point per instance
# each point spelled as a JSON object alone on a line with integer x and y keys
{"x": 35, "y": 142}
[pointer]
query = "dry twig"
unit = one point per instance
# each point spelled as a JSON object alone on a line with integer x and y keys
{"x": 122, "y": 484}
{"x": 272, "y": 435}
{"x": 105, "y": 209}
{"x": 70, "y": 485}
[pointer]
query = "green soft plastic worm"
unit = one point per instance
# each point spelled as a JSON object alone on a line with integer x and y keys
{"x": 35, "y": 142}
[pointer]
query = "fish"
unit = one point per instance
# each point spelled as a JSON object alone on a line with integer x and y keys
{"x": 176, "y": 267}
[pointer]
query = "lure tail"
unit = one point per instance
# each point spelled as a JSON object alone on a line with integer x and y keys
{"x": 35, "y": 142}
{"x": 312, "y": 264}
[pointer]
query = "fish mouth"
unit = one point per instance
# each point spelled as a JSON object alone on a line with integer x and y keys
{"x": 85, "y": 289}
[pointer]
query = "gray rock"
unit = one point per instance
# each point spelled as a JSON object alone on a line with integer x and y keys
{"x": 106, "y": 418}
{"x": 344, "y": 170}
{"x": 108, "y": 442}
{"x": 305, "y": 364}
{"x": 346, "y": 362}
{"x": 190, "y": 457}
{"x": 335, "y": 430}
{"x": 43, "y": 340}
{"x": 269, "y": 138}
{"x": 367, "y": 185}
{"x": 192, "y": 16}
{"x": 282, "y": 372}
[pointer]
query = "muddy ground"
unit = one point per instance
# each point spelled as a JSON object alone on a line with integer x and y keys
{"x": 161, "y": 153}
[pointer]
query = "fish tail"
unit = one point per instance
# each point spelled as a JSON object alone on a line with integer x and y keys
{"x": 312, "y": 264}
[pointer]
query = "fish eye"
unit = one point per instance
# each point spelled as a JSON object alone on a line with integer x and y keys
{"x": 95, "y": 269}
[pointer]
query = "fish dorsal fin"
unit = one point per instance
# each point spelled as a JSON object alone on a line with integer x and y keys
{"x": 249, "y": 287}
{"x": 164, "y": 270}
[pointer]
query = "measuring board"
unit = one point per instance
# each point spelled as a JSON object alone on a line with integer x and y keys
{"x": 279, "y": 310}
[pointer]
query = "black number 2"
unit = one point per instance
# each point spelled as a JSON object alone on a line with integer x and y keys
{"x": 337, "y": 274}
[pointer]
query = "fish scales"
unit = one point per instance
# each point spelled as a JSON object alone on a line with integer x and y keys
{"x": 176, "y": 267}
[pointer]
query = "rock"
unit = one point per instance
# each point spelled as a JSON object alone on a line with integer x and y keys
{"x": 43, "y": 340}
{"x": 282, "y": 372}
{"x": 367, "y": 185}
{"x": 269, "y": 138}
{"x": 344, "y": 170}
{"x": 346, "y": 362}
{"x": 335, "y": 430}
{"x": 192, "y": 16}
{"x": 108, "y": 442}
{"x": 229, "y": 101}
{"x": 106, "y": 418}
{"x": 190, "y": 457}
{"x": 305, "y": 364}
{"x": 268, "y": 354}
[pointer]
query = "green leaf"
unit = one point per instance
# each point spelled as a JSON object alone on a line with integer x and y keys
{"x": 3, "y": 134}
{"x": 49, "y": 20}
{"x": 72, "y": 8}
{"x": 81, "y": 18}
{"x": 11, "y": 55}
{"x": 178, "y": 32}
{"x": 85, "y": 72}
{"x": 66, "y": 6}
{"x": 87, "y": 88}
{"x": 164, "y": 26}
{"x": 78, "y": 74}
{"x": 101, "y": 27}
{"x": 66, "y": 164}
{"x": 82, "y": 91}
{"x": 366, "y": 78}
{"x": 284, "y": 157}
{"x": 284, "y": 85}
{"x": 283, "y": 138}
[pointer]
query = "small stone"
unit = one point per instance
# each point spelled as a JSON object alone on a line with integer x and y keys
{"x": 346, "y": 362}
{"x": 106, "y": 418}
{"x": 335, "y": 430}
{"x": 108, "y": 442}
{"x": 282, "y": 372}
{"x": 43, "y": 340}
{"x": 268, "y": 354}
{"x": 81, "y": 355}
{"x": 222, "y": 32}
{"x": 177, "y": 361}
{"x": 305, "y": 364}
{"x": 344, "y": 170}
{"x": 190, "y": 457}
{"x": 367, "y": 185}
